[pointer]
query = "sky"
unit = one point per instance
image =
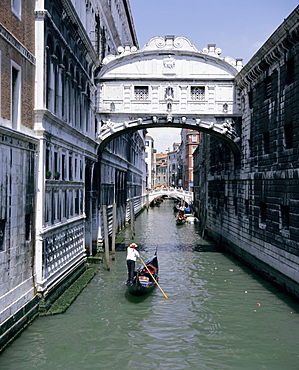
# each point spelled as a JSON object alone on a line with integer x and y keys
{"x": 238, "y": 27}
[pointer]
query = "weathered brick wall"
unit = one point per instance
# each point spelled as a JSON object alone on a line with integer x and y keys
{"x": 20, "y": 33}
{"x": 23, "y": 27}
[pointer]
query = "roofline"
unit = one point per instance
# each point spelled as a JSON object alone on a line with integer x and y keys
{"x": 131, "y": 22}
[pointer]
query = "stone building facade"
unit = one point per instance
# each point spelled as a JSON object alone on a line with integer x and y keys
{"x": 69, "y": 51}
{"x": 18, "y": 149}
{"x": 150, "y": 161}
{"x": 250, "y": 202}
{"x": 189, "y": 142}
{"x": 173, "y": 168}
{"x": 52, "y": 183}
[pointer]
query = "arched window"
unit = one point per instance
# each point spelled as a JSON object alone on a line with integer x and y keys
{"x": 87, "y": 109}
{"x": 57, "y": 82}
{"x": 64, "y": 90}
{"x": 49, "y": 73}
{"x": 71, "y": 105}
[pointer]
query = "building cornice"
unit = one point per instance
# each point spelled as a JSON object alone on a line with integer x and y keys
{"x": 15, "y": 43}
{"x": 272, "y": 51}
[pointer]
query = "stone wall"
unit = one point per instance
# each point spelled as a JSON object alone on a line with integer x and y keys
{"x": 252, "y": 205}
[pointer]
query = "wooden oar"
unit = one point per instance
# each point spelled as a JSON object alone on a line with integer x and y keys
{"x": 153, "y": 277}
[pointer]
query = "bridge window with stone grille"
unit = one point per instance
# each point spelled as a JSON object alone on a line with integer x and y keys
{"x": 197, "y": 92}
{"x": 141, "y": 92}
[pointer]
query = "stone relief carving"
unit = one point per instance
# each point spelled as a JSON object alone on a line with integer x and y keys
{"x": 169, "y": 63}
{"x": 160, "y": 42}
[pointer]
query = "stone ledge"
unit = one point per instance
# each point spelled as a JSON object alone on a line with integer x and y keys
{"x": 68, "y": 296}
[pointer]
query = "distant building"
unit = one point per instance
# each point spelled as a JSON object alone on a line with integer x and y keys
{"x": 161, "y": 169}
{"x": 150, "y": 161}
{"x": 172, "y": 165}
{"x": 190, "y": 141}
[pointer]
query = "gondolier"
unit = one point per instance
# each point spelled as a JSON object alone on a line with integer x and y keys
{"x": 132, "y": 255}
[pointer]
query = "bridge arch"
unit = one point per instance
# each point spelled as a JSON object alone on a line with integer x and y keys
{"x": 169, "y": 83}
{"x": 184, "y": 195}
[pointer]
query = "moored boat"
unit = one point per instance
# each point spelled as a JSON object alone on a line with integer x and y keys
{"x": 181, "y": 219}
{"x": 143, "y": 281}
{"x": 190, "y": 218}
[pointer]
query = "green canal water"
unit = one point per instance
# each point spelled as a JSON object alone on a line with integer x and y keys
{"x": 219, "y": 314}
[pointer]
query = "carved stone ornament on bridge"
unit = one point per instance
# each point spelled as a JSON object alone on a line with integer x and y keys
{"x": 224, "y": 128}
{"x": 169, "y": 63}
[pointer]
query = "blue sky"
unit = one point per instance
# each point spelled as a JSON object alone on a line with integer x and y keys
{"x": 238, "y": 27}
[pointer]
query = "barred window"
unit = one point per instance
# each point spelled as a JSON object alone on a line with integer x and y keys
{"x": 267, "y": 88}
{"x": 141, "y": 92}
{"x": 197, "y": 92}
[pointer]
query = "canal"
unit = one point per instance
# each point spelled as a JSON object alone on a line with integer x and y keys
{"x": 219, "y": 314}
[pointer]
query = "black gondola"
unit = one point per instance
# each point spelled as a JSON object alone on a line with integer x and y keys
{"x": 180, "y": 220}
{"x": 143, "y": 283}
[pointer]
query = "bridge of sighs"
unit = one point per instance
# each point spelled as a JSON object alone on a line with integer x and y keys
{"x": 169, "y": 83}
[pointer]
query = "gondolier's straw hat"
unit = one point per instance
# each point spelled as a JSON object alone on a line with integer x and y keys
{"x": 133, "y": 245}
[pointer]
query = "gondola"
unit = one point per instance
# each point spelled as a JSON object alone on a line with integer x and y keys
{"x": 143, "y": 283}
{"x": 180, "y": 220}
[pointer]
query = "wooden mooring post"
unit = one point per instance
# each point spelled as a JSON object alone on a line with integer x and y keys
{"x": 113, "y": 230}
{"x": 132, "y": 217}
{"x": 107, "y": 258}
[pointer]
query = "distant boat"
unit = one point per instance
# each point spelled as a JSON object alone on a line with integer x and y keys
{"x": 180, "y": 220}
{"x": 143, "y": 283}
{"x": 156, "y": 202}
{"x": 190, "y": 218}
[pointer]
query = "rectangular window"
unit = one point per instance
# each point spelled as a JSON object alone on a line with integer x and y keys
{"x": 55, "y": 162}
{"x": 197, "y": 93}
{"x": 290, "y": 71}
{"x": 16, "y": 7}
{"x": 288, "y": 135}
{"x": 47, "y": 160}
{"x": 263, "y": 212}
{"x": 27, "y": 226}
{"x": 77, "y": 202}
{"x": 71, "y": 203}
{"x": 76, "y": 169}
{"x": 63, "y": 167}
{"x": 246, "y": 203}
{"x": 66, "y": 209}
{"x": 250, "y": 99}
{"x": 70, "y": 168}
{"x": 285, "y": 216}
{"x": 15, "y": 96}
{"x": 141, "y": 92}
{"x": 266, "y": 142}
{"x": 48, "y": 206}
{"x": 2, "y": 233}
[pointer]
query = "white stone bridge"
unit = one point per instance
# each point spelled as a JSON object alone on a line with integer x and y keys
{"x": 169, "y": 83}
{"x": 177, "y": 193}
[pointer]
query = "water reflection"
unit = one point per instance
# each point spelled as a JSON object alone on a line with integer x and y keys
{"x": 210, "y": 321}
